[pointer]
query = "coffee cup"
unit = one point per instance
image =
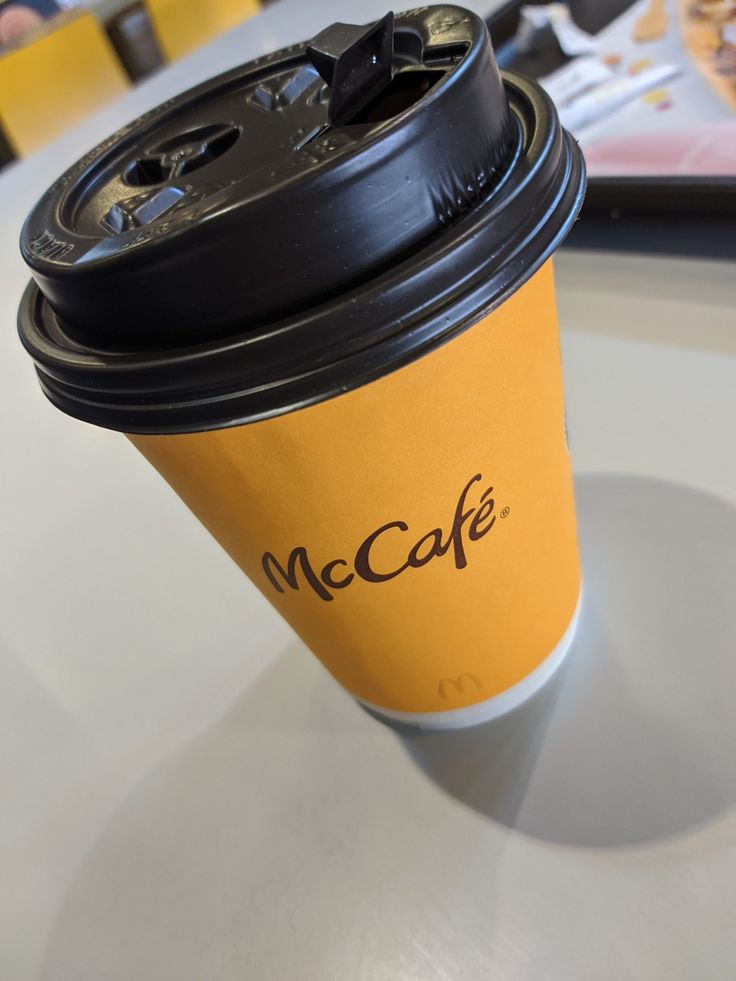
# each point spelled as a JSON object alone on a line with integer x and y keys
{"x": 317, "y": 294}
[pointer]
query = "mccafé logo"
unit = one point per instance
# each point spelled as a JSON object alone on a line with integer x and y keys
{"x": 469, "y": 524}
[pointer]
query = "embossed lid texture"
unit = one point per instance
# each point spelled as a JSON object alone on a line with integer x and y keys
{"x": 295, "y": 227}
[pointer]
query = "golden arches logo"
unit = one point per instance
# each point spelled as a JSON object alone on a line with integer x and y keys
{"x": 457, "y": 683}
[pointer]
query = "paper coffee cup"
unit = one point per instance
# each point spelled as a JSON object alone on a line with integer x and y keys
{"x": 385, "y": 457}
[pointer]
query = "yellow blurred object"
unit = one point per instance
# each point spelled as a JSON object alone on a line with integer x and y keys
{"x": 183, "y": 25}
{"x": 61, "y": 73}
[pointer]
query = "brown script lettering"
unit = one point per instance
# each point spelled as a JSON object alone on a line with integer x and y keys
{"x": 469, "y": 523}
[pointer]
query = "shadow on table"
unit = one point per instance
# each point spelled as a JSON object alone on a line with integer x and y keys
{"x": 269, "y": 837}
{"x": 633, "y": 740}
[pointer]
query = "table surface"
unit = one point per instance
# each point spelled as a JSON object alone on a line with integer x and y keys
{"x": 187, "y": 794}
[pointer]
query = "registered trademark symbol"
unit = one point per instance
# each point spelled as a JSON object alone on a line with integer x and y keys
{"x": 505, "y": 512}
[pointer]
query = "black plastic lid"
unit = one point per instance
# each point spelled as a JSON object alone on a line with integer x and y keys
{"x": 295, "y": 227}
{"x": 264, "y": 189}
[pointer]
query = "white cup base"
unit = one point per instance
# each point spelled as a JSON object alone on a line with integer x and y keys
{"x": 490, "y": 708}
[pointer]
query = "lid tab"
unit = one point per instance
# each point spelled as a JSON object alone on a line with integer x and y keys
{"x": 355, "y": 62}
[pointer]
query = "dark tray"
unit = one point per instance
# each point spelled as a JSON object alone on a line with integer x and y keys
{"x": 669, "y": 201}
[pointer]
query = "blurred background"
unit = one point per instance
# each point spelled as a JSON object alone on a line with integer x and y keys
{"x": 648, "y": 88}
{"x": 62, "y": 59}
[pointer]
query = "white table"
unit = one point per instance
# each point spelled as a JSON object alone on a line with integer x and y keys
{"x": 188, "y": 796}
